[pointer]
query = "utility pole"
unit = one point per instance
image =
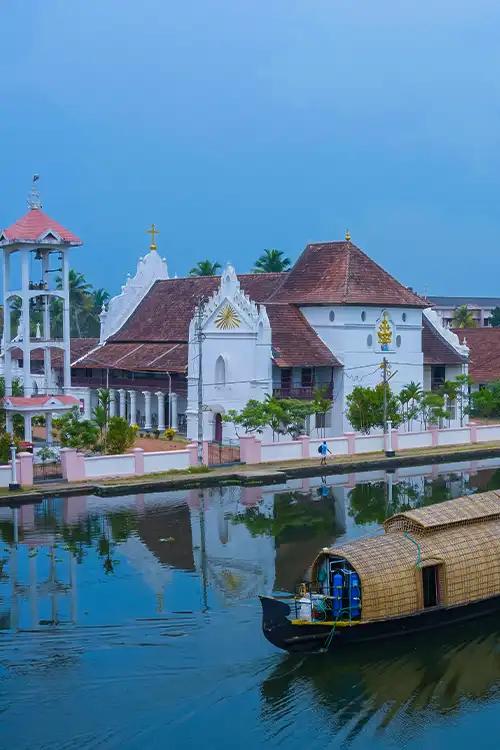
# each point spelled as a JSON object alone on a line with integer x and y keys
{"x": 385, "y": 367}
{"x": 199, "y": 335}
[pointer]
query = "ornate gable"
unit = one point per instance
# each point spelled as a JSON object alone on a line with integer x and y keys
{"x": 229, "y": 309}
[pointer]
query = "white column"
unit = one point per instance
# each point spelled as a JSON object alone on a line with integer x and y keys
{"x": 48, "y": 428}
{"x": 87, "y": 405}
{"x": 9, "y": 424}
{"x": 66, "y": 321}
{"x": 6, "y": 324}
{"x": 28, "y": 434}
{"x": 161, "y": 410}
{"x": 147, "y": 409}
{"x": 112, "y": 402}
{"x": 133, "y": 407}
{"x": 25, "y": 282}
{"x": 122, "y": 395}
{"x": 47, "y": 364}
{"x": 173, "y": 411}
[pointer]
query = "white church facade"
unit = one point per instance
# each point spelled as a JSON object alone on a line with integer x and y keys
{"x": 328, "y": 322}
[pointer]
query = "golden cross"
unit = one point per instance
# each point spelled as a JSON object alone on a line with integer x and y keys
{"x": 153, "y": 231}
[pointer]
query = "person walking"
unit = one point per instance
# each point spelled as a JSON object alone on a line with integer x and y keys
{"x": 324, "y": 449}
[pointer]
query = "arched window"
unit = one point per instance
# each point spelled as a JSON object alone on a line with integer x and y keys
{"x": 220, "y": 371}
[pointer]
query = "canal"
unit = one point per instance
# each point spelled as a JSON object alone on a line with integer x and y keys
{"x": 134, "y": 622}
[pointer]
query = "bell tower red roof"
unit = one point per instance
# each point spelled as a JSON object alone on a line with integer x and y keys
{"x": 36, "y": 226}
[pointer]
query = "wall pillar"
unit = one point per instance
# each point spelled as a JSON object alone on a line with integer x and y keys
{"x": 139, "y": 460}
{"x": 351, "y": 442}
{"x": 250, "y": 449}
{"x": 72, "y": 465}
{"x": 473, "y": 433}
{"x": 435, "y": 436}
{"x": 133, "y": 407}
{"x": 193, "y": 454}
{"x": 305, "y": 440}
{"x": 112, "y": 402}
{"x": 28, "y": 433}
{"x": 9, "y": 423}
{"x": 122, "y": 394}
{"x": 173, "y": 411}
{"x": 25, "y": 477}
{"x": 147, "y": 409}
{"x": 205, "y": 452}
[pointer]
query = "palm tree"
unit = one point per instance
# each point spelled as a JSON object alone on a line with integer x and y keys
{"x": 272, "y": 261}
{"x": 463, "y": 318}
{"x": 80, "y": 298}
{"x": 99, "y": 298}
{"x": 205, "y": 268}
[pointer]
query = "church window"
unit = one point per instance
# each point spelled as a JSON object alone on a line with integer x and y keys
{"x": 332, "y": 315}
{"x": 369, "y": 341}
{"x": 398, "y": 341}
{"x": 363, "y": 316}
{"x": 220, "y": 371}
{"x": 306, "y": 377}
{"x": 404, "y": 317}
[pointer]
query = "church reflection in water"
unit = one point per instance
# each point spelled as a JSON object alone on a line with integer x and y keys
{"x": 237, "y": 542}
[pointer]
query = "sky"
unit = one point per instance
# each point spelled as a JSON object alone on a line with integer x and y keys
{"x": 239, "y": 125}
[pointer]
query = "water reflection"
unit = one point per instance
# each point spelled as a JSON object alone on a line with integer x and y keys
{"x": 87, "y": 583}
{"x": 406, "y": 681}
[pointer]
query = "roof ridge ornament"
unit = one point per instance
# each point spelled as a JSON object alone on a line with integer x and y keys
{"x": 347, "y": 235}
{"x": 34, "y": 199}
{"x": 153, "y": 232}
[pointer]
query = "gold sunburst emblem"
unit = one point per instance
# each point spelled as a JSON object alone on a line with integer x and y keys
{"x": 227, "y": 318}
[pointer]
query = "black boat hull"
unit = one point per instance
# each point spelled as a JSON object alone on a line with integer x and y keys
{"x": 306, "y": 638}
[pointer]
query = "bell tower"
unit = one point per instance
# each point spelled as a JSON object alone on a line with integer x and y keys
{"x": 35, "y": 264}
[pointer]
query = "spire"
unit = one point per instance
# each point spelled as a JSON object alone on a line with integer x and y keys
{"x": 153, "y": 232}
{"x": 347, "y": 235}
{"x": 34, "y": 200}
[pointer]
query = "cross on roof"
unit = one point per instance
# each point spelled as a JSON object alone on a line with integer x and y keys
{"x": 153, "y": 232}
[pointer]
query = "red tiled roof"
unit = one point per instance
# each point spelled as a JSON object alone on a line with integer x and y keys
{"x": 78, "y": 347}
{"x": 340, "y": 273}
{"x": 33, "y": 225}
{"x": 165, "y": 312}
{"x": 157, "y": 357}
{"x": 484, "y": 357}
{"x": 39, "y": 401}
{"x": 437, "y": 351}
{"x": 295, "y": 343}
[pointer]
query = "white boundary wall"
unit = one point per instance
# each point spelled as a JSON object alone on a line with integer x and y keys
{"x": 165, "y": 460}
{"x": 109, "y": 466}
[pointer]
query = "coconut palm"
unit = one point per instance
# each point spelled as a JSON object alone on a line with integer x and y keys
{"x": 205, "y": 268}
{"x": 463, "y": 318}
{"x": 80, "y": 300}
{"x": 271, "y": 261}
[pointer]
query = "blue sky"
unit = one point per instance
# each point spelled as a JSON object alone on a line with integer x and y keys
{"x": 238, "y": 125}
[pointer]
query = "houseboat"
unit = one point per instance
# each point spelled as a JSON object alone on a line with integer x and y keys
{"x": 431, "y": 567}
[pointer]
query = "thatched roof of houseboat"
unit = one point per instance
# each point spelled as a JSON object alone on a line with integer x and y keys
{"x": 462, "y": 536}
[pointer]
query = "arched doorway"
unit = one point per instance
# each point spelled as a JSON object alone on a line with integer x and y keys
{"x": 218, "y": 428}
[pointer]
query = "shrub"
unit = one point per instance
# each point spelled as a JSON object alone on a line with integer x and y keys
{"x": 6, "y": 440}
{"x": 169, "y": 433}
{"x": 121, "y": 435}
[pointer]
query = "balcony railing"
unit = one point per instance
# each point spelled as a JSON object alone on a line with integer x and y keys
{"x": 305, "y": 392}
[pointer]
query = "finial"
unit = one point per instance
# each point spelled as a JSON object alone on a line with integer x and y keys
{"x": 153, "y": 232}
{"x": 34, "y": 200}
{"x": 347, "y": 235}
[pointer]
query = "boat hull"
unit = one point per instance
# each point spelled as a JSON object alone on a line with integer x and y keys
{"x": 311, "y": 637}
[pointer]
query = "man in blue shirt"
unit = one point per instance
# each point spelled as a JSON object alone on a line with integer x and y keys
{"x": 324, "y": 449}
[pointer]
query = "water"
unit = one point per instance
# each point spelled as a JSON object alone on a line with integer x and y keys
{"x": 133, "y": 623}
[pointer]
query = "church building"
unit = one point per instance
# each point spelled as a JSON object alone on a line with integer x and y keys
{"x": 330, "y": 321}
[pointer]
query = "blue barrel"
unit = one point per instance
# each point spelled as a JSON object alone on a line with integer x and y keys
{"x": 355, "y": 596}
{"x": 337, "y": 590}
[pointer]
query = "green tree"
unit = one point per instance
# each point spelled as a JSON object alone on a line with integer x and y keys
{"x": 74, "y": 432}
{"x": 322, "y": 404}
{"x": 432, "y": 409}
{"x": 365, "y": 408}
{"x": 271, "y": 261}
{"x": 495, "y": 317}
{"x": 252, "y": 418}
{"x": 101, "y": 413}
{"x": 463, "y": 383}
{"x": 449, "y": 391}
{"x": 486, "y": 401}
{"x": 121, "y": 435}
{"x": 463, "y": 318}
{"x": 205, "y": 268}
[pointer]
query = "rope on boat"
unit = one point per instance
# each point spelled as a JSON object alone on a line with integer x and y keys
{"x": 419, "y": 553}
{"x": 331, "y": 634}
